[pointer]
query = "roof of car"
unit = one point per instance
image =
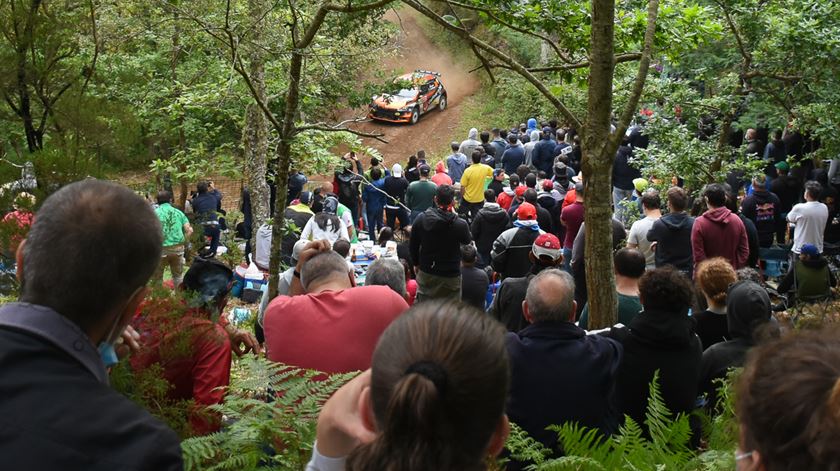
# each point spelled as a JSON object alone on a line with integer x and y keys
{"x": 419, "y": 76}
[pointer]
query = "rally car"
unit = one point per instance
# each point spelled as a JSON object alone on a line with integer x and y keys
{"x": 407, "y": 105}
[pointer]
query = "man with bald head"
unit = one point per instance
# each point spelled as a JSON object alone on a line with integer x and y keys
{"x": 328, "y": 323}
{"x": 558, "y": 373}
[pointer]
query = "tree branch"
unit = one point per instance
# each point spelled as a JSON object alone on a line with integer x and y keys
{"x": 342, "y": 126}
{"x": 641, "y": 76}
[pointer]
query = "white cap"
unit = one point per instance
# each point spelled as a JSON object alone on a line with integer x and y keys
{"x": 396, "y": 170}
{"x": 298, "y": 248}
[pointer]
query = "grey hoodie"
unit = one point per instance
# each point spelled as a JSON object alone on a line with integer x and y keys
{"x": 469, "y": 145}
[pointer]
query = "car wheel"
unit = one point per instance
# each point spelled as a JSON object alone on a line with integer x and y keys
{"x": 443, "y": 103}
{"x": 415, "y": 115}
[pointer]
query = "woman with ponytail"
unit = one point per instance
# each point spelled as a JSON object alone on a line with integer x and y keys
{"x": 325, "y": 225}
{"x": 433, "y": 400}
{"x": 788, "y": 404}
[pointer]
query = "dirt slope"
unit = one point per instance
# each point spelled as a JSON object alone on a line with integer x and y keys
{"x": 435, "y": 129}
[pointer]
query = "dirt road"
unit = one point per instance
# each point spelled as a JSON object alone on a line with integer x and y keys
{"x": 435, "y": 129}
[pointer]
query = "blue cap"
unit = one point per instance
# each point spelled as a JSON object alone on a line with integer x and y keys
{"x": 810, "y": 250}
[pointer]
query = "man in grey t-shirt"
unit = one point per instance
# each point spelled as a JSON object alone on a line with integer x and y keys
{"x": 639, "y": 230}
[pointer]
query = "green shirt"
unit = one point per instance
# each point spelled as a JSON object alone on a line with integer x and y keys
{"x": 172, "y": 221}
{"x": 420, "y": 195}
{"x": 628, "y": 307}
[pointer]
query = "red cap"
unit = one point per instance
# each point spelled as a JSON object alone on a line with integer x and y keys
{"x": 548, "y": 185}
{"x": 520, "y": 190}
{"x": 547, "y": 244}
{"x": 526, "y": 212}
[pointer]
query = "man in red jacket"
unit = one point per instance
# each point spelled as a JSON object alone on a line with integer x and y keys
{"x": 719, "y": 232}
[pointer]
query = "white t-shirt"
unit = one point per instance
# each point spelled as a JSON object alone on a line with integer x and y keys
{"x": 311, "y": 231}
{"x": 638, "y": 236}
{"x": 810, "y": 219}
{"x": 262, "y": 254}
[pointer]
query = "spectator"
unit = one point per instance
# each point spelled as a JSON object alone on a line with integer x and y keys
{"x": 205, "y": 205}
{"x": 420, "y": 195}
{"x": 470, "y": 144}
{"x": 387, "y": 272}
{"x": 346, "y": 184}
{"x": 749, "y": 320}
{"x": 547, "y": 201}
{"x": 193, "y": 351}
{"x": 58, "y": 410}
{"x": 474, "y": 280}
{"x": 497, "y": 184}
{"x": 325, "y": 225}
{"x": 638, "y": 239}
{"x": 661, "y": 338}
{"x": 297, "y": 181}
{"x": 755, "y": 148}
{"x": 763, "y": 209}
{"x": 300, "y": 214}
{"x": 543, "y": 215}
{"x": 718, "y": 232}
{"x": 488, "y": 224}
{"x": 810, "y": 279}
{"x": 788, "y": 189}
{"x": 505, "y": 199}
{"x": 375, "y": 163}
{"x": 749, "y": 226}
{"x": 395, "y": 209}
{"x": 558, "y": 373}
{"x": 507, "y": 304}
{"x": 440, "y": 177}
{"x": 714, "y": 276}
{"x": 578, "y": 264}
{"x": 572, "y": 217}
{"x": 514, "y": 156}
{"x": 374, "y": 196}
{"x": 561, "y": 147}
{"x": 176, "y": 230}
{"x": 774, "y": 153}
{"x": 327, "y": 309}
{"x": 17, "y": 223}
{"x": 500, "y": 145}
{"x": 423, "y": 387}
{"x": 509, "y": 256}
{"x": 436, "y": 239}
{"x": 488, "y": 147}
{"x": 473, "y": 183}
{"x": 787, "y": 404}
{"x": 670, "y": 236}
{"x": 542, "y": 155}
{"x": 809, "y": 218}
{"x": 623, "y": 176}
{"x": 533, "y": 139}
{"x": 284, "y": 286}
{"x": 628, "y": 266}
{"x": 412, "y": 174}
{"x": 456, "y": 163}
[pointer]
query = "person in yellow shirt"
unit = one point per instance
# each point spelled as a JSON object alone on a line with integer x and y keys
{"x": 473, "y": 183}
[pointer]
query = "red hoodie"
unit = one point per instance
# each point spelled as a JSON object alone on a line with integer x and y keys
{"x": 441, "y": 177}
{"x": 720, "y": 233}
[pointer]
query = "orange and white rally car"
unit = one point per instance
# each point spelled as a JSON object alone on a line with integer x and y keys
{"x": 407, "y": 105}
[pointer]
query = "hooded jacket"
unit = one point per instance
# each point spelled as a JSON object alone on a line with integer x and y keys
{"x": 672, "y": 234}
{"x": 470, "y": 144}
{"x": 623, "y": 173}
{"x": 436, "y": 238}
{"x": 664, "y": 341}
{"x": 812, "y": 280}
{"x": 488, "y": 224}
{"x": 512, "y": 158}
{"x": 529, "y": 148}
{"x": 511, "y": 249}
{"x": 747, "y": 308}
{"x": 505, "y": 199}
{"x": 764, "y": 209}
{"x": 456, "y": 164}
{"x": 440, "y": 177}
{"x": 720, "y": 233}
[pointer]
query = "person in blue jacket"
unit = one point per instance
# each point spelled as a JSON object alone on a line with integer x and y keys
{"x": 375, "y": 198}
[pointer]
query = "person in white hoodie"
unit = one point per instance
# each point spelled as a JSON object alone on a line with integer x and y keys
{"x": 470, "y": 144}
{"x": 529, "y": 148}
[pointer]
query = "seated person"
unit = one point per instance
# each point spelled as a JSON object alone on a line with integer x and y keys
{"x": 629, "y": 266}
{"x": 327, "y": 323}
{"x": 387, "y": 272}
{"x": 787, "y": 402}
{"x": 422, "y": 406}
{"x": 749, "y": 320}
{"x": 193, "y": 350}
{"x": 714, "y": 277}
{"x": 558, "y": 373}
{"x": 809, "y": 279}
{"x": 661, "y": 338}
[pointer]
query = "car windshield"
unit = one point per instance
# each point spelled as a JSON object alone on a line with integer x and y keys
{"x": 404, "y": 93}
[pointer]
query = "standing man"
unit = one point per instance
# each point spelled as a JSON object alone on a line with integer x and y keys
{"x": 205, "y": 205}
{"x": 420, "y": 195}
{"x": 763, "y": 208}
{"x": 810, "y": 219}
{"x": 488, "y": 224}
{"x": 396, "y": 186}
{"x": 436, "y": 238}
{"x": 470, "y": 143}
{"x": 542, "y": 156}
{"x": 671, "y": 234}
{"x": 639, "y": 230}
{"x": 719, "y": 232}
{"x": 456, "y": 163}
{"x": 176, "y": 229}
{"x": 473, "y": 183}
{"x": 513, "y": 156}
{"x": 83, "y": 270}
{"x": 572, "y": 217}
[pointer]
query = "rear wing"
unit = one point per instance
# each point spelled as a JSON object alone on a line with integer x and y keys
{"x": 421, "y": 71}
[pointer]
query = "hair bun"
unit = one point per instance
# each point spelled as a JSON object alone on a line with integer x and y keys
{"x": 432, "y": 371}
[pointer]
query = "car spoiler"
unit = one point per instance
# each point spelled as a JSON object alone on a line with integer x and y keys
{"x": 436, "y": 74}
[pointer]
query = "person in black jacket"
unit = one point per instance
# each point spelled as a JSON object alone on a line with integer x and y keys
{"x": 58, "y": 411}
{"x": 672, "y": 234}
{"x": 436, "y": 238}
{"x": 661, "y": 338}
{"x": 623, "y": 176}
{"x": 509, "y": 256}
{"x": 488, "y": 224}
{"x": 507, "y": 304}
{"x": 763, "y": 208}
{"x": 749, "y": 319}
{"x": 474, "y": 280}
{"x": 558, "y": 373}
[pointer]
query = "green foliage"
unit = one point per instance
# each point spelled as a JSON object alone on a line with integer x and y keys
{"x": 271, "y": 412}
{"x": 666, "y": 448}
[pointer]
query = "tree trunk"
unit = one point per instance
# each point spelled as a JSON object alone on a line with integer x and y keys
{"x": 598, "y": 156}
{"x": 255, "y": 134}
{"x": 176, "y": 95}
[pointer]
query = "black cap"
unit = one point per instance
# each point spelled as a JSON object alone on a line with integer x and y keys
{"x": 208, "y": 279}
{"x": 424, "y": 169}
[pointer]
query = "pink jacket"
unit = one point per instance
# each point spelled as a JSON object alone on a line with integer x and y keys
{"x": 441, "y": 177}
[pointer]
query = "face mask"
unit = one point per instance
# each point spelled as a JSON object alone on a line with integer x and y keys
{"x": 106, "y": 347}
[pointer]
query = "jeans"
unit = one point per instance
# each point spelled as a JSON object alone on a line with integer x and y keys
{"x": 172, "y": 257}
{"x": 470, "y": 209}
{"x": 567, "y": 260}
{"x": 374, "y": 220}
{"x": 437, "y": 287}
{"x": 392, "y": 215}
{"x": 618, "y": 196}
{"x": 213, "y": 232}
